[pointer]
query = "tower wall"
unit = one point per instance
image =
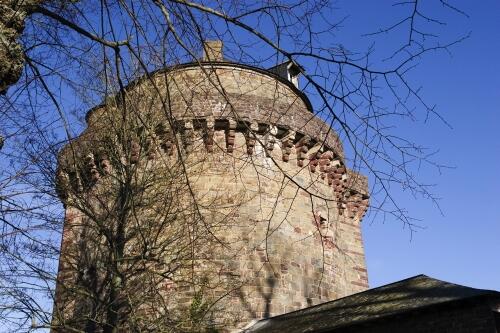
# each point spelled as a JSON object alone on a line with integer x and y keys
{"x": 281, "y": 212}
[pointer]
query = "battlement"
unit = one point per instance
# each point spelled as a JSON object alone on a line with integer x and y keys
{"x": 228, "y": 98}
{"x": 277, "y": 144}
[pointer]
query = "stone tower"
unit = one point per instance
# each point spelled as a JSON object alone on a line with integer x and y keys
{"x": 244, "y": 165}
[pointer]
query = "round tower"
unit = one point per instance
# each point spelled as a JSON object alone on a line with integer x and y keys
{"x": 217, "y": 192}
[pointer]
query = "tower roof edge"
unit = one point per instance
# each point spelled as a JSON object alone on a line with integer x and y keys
{"x": 213, "y": 64}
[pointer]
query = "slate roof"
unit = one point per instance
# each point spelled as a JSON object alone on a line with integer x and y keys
{"x": 406, "y": 295}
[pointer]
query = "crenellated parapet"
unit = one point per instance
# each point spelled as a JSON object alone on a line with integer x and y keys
{"x": 226, "y": 92}
{"x": 278, "y": 144}
{"x": 228, "y": 98}
{"x": 357, "y": 196}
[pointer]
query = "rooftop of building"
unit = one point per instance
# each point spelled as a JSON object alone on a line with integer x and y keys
{"x": 286, "y": 72}
{"x": 400, "y": 297}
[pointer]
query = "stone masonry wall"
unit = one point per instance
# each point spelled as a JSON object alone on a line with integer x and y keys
{"x": 250, "y": 145}
{"x": 293, "y": 250}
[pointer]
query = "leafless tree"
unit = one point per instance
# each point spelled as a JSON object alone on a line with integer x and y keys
{"x": 79, "y": 54}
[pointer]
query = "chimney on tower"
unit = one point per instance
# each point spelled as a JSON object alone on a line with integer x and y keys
{"x": 212, "y": 50}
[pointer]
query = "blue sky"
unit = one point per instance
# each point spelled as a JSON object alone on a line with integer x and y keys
{"x": 463, "y": 244}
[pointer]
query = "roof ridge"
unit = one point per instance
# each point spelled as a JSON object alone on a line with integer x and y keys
{"x": 347, "y": 296}
{"x": 386, "y": 286}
